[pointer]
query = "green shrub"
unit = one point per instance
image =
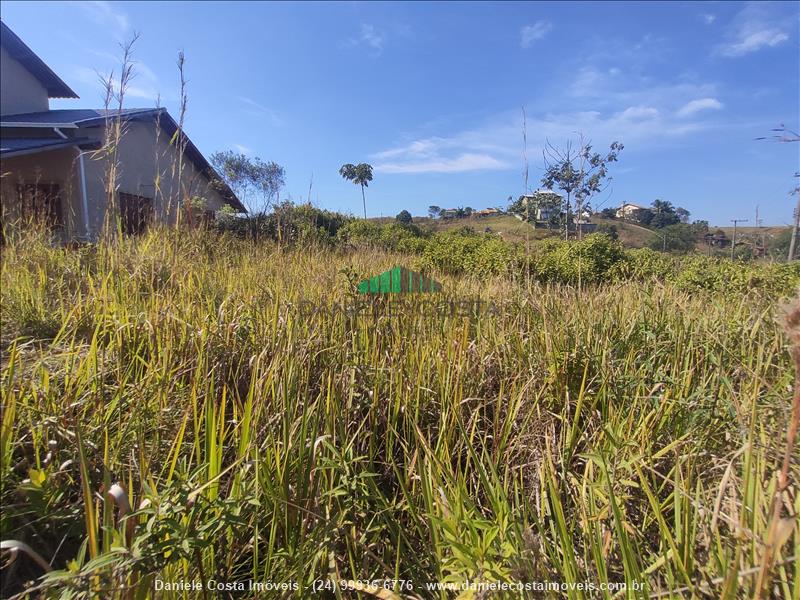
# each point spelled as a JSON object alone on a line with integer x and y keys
{"x": 588, "y": 260}
{"x": 462, "y": 251}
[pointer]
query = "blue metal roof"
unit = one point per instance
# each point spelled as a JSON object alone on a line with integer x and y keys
{"x": 18, "y": 50}
{"x": 70, "y": 118}
{"x": 19, "y": 146}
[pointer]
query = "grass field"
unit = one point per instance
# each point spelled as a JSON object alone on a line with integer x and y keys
{"x": 173, "y": 411}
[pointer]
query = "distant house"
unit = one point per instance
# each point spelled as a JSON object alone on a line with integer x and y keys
{"x": 718, "y": 239}
{"x": 629, "y": 211}
{"x": 545, "y": 204}
{"x": 585, "y": 226}
{"x": 486, "y": 212}
{"x": 448, "y": 213}
{"x": 51, "y": 170}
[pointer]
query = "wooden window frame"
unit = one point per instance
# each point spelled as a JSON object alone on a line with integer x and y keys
{"x": 135, "y": 211}
{"x": 42, "y": 203}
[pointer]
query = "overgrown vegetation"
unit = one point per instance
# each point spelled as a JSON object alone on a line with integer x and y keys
{"x": 169, "y": 414}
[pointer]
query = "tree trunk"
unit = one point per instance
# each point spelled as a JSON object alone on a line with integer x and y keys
{"x": 364, "y": 200}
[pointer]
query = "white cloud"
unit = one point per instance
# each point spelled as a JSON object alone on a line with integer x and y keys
{"x": 754, "y": 41}
{"x": 106, "y": 15}
{"x": 369, "y": 37}
{"x": 756, "y": 26}
{"x": 531, "y": 33}
{"x": 708, "y": 19}
{"x": 695, "y": 106}
{"x": 256, "y": 109}
{"x": 459, "y": 164}
{"x": 143, "y": 85}
{"x": 636, "y": 112}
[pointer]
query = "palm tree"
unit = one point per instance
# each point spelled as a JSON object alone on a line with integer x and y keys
{"x": 360, "y": 174}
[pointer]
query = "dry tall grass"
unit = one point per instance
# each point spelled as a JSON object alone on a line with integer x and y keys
{"x": 170, "y": 413}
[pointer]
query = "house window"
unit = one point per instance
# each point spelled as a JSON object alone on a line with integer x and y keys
{"x": 41, "y": 203}
{"x": 135, "y": 212}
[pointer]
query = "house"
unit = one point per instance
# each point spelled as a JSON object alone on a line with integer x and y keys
{"x": 544, "y": 204}
{"x": 448, "y": 213}
{"x": 54, "y": 169}
{"x": 718, "y": 239}
{"x": 486, "y": 212}
{"x": 629, "y": 211}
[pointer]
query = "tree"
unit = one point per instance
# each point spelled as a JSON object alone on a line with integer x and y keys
{"x": 360, "y": 174}
{"x": 255, "y": 182}
{"x": 609, "y": 230}
{"x": 468, "y": 211}
{"x": 608, "y": 213}
{"x": 529, "y": 207}
{"x": 644, "y": 217}
{"x": 678, "y": 237}
{"x": 434, "y": 211}
{"x": 683, "y": 214}
{"x": 404, "y": 217}
{"x": 578, "y": 172}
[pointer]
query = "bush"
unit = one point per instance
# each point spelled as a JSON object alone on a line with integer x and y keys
{"x": 609, "y": 230}
{"x": 644, "y": 264}
{"x": 588, "y": 260}
{"x": 463, "y": 251}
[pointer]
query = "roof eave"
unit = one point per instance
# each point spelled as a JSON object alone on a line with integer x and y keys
{"x": 19, "y": 51}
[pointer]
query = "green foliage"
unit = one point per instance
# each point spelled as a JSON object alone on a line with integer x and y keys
{"x": 288, "y": 224}
{"x": 609, "y": 230}
{"x": 404, "y": 217}
{"x": 255, "y": 182}
{"x": 360, "y": 174}
{"x": 678, "y": 237}
{"x": 463, "y": 251}
{"x": 589, "y": 260}
{"x": 578, "y": 171}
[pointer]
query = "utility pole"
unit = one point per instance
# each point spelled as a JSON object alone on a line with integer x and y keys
{"x": 760, "y": 233}
{"x": 733, "y": 241}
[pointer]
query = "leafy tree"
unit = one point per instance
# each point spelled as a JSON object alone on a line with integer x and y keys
{"x": 664, "y": 219}
{"x": 528, "y": 207}
{"x": 434, "y": 211}
{"x": 679, "y": 238}
{"x": 468, "y": 211}
{"x": 608, "y": 213}
{"x": 578, "y": 172}
{"x": 404, "y": 217}
{"x": 255, "y": 182}
{"x": 360, "y": 174}
{"x": 644, "y": 217}
{"x": 662, "y": 206}
{"x": 609, "y": 230}
{"x": 683, "y": 214}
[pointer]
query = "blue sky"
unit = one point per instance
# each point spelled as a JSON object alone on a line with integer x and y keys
{"x": 431, "y": 94}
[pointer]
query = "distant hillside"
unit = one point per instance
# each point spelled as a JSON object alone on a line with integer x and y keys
{"x": 513, "y": 230}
